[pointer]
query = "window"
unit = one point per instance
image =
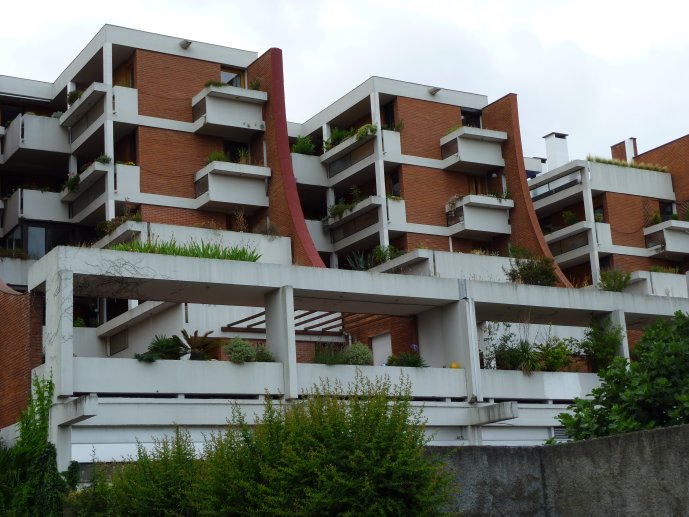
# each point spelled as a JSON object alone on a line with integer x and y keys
{"x": 389, "y": 115}
{"x": 36, "y": 242}
{"x": 471, "y": 118}
{"x": 232, "y": 76}
{"x": 395, "y": 184}
{"x": 665, "y": 208}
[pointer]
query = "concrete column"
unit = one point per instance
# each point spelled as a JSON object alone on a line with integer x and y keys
{"x": 326, "y": 132}
{"x": 280, "y": 338}
{"x": 330, "y": 197}
{"x": 334, "y": 261}
{"x": 59, "y": 331}
{"x": 109, "y": 132}
{"x": 379, "y": 170}
{"x": 461, "y": 343}
{"x": 617, "y": 318}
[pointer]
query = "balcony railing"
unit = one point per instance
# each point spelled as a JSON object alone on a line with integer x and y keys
{"x": 224, "y": 186}
{"x": 472, "y": 150}
{"x": 90, "y": 176}
{"x": 557, "y": 185}
{"x": 228, "y": 111}
{"x": 35, "y": 205}
{"x": 479, "y": 215}
{"x": 91, "y": 97}
{"x": 36, "y": 133}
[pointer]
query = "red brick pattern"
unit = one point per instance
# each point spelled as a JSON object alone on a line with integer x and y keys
{"x": 169, "y": 160}
{"x": 619, "y": 151}
{"x": 628, "y": 215}
{"x": 21, "y": 347}
{"x": 425, "y": 192}
{"x": 167, "y": 83}
{"x": 425, "y": 123}
{"x": 675, "y": 156}
{"x": 183, "y": 217}
{"x": 363, "y": 327}
{"x": 306, "y": 351}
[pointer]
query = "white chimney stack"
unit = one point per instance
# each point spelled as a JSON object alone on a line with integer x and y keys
{"x": 556, "y": 150}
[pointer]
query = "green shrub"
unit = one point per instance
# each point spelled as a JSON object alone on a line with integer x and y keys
{"x": 569, "y": 218}
{"x": 263, "y": 355}
{"x": 74, "y": 96}
{"x": 217, "y": 156}
{"x": 72, "y": 184}
{"x": 614, "y": 280}
{"x": 57, "y": 114}
{"x": 632, "y": 164}
{"x": 337, "y": 135}
{"x": 163, "y": 347}
{"x": 532, "y": 271}
{"x": 214, "y": 83}
{"x": 382, "y": 254}
{"x": 555, "y": 355}
{"x": 664, "y": 269}
{"x": 340, "y": 208}
{"x": 356, "y": 354}
{"x": 303, "y": 145}
{"x": 366, "y": 130}
{"x": 255, "y": 84}
{"x": 601, "y": 343}
{"x": 326, "y": 356}
{"x": 103, "y": 158}
{"x": 409, "y": 359}
{"x": 192, "y": 249}
{"x": 104, "y": 228}
{"x": 198, "y": 345}
{"x": 79, "y": 322}
{"x": 240, "y": 351}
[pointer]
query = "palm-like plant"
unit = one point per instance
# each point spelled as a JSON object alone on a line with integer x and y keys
{"x": 199, "y": 346}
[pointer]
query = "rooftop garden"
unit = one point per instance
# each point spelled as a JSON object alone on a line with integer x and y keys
{"x": 632, "y": 164}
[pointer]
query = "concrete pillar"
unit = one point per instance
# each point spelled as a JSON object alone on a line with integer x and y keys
{"x": 461, "y": 343}
{"x": 59, "y": 331}
{"x": 280, "y": 338}
{"x": 334, "y": 261}
{"x": 589, "y": 215}
{"x": 330, "y": 197}
{"x": 109, "y": 132}
{"x": 379, "y": 165}
{"x": 617, "y": 318}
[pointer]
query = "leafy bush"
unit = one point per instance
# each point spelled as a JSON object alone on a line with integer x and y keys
{"x": 163, "y": 347}
{"x": 74, "y": 96}
{"x": 240, "y": 351}
{"x": 652, "y": 391}
{"x": 72, "y": 184}
{"x": 79, "y": 322}
{"x": 569, "y": 218}
{"x": 654, "y": 218}
{"x": 409, "y": 359}
{"x": 382, "y": 254}
{"x": 303, "y": 145}
{"x": 356, "y": 354}
{"x": 201, "y": 250}
{"x": 601, "y": 343}
{"x": 103, "y": 158}
{"x": 217, "y": 156}
{"x": 57, "y": 114}
{"x": 532, "y": 270}
{"x": 198, "y": 346}
{"x": 214, "y": 83}
{"x": 664, "y": 269}
{"x": 107, "y": 227}
{"x": 263, "y": 355}
{"x": 555, "y": 355}
{"x": 614, "y": 280}
{"x": 337, "y": 135}
{"x": 366, "y": 130}
{"x": 243, "y": 155}
{"x": 255, "y": 84}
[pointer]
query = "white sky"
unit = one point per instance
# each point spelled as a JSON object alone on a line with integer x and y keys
{"x": 600, "y": 71}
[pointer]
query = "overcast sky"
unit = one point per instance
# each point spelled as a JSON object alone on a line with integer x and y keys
{"x": 600, "y": 71}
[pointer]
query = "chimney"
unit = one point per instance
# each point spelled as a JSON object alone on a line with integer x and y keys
{"x": 625, "y": 150}
{"x": 556, "y": 150}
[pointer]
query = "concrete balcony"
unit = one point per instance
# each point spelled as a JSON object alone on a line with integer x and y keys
{"x": 367, "y": 205}
{"x": 345, "y": 147}
{"x": 96, "y": 171}
{"x": 91, "y": 97}
{"x": 32, "y": 133}
{"x": 479, "y": 217}
{"x": 308, "y": 170}
{"x": 229, "y": 112}
{"x": 669, "y": 239}
{"x": 539, "y": 386}
{"x": 570, "y": 245}
{"x": 472, "y": 150}
{"x": 225, "y": 186}
{"x": 320, "y": 236}
{"x": 15, "y": 271}
{"x": 33, "y": 205}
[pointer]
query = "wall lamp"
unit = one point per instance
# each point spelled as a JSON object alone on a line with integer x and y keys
{"x": 185, "y": 43}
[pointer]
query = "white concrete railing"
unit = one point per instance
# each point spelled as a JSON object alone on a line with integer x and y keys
{"x": 516, "y": 385}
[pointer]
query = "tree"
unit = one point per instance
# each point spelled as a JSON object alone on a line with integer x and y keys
{"x": 652, "y": 391}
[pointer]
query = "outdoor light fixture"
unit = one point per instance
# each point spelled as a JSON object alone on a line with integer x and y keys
{"x": 185, "y": 43}
{"x": 494, "y": 175}
{"x": 433, "y": 90}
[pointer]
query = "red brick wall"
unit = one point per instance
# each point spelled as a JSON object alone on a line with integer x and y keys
{"x": 306, "y": 351}
{"x": 169, "y": 160}
{"x": 183, "y": 217}
{"x": 167, "y": 83}
{"x": 503, "y": 115}
{"x": 425, "y": 192}
{"x": 285, "y": 210}
{"x": 630, "y": 263}
{"x": 20, "y": 349}
{"x": 579, "y": 275}
{"x": 627, "y": 216}
{"x": 425, "y": 123}
{"x": 675, "y": 156}
{"x": 363, "y": 327}
{"x": 619, "y": 151}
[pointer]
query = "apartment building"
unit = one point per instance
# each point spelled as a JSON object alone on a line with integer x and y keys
{"x": 625, "y": 213}
{"x": 147, "y": 137}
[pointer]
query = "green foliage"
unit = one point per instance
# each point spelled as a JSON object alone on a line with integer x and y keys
{"x": 655, "y": 218}
{"x": 664, "y": 269}
{"x": 103, "y": 158}
{"x": 674, "y": 217}
{"x": 327, "y": 356}
{"x": 214, "y": 83}
{"x": 357, "y": 261}
{"x": 337, "y": 135}
{"x": 528, "y": 268}
{"x": 601, "y": 343}
{"x": 366, "y": 130}
{"x": 79, "y": 322}
{"x": 394, "y": 198}
{"x": 243, "y": 155}
{"x": 340, "y": 208}
{"x": 217, "y": 156}
{"x": 192, "y": 249}
{"x": 107, "y": 227}
{"x": 198, "y": 346}
{"x": 356, "y": 354}
{"x": 164, "y": 347}
{"x": 381, "y": 254}
{"x": 72, "y": 184}
{"x": 652, "y": 391}
{"x": 632, "y": 164}
{"x": 453, "y": 129}
{"x": 240, "y": 351}
{"x": 255, "y": 84}
{"x": 555, "y": 354}
{"x": 410, "y": 359}
{"x": 303, "y": 145}
{"x": 263, "y": 355}
{"x": 569, "y": 218}
{"x": 57, "y": 114}
{"x": 614, "y": 280}
{"x": 95, "y": 500}
{"x": 13, "y": 253}
{"x": 74, "y": 96}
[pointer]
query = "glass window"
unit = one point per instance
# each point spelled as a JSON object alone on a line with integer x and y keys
{"x": 232, "y": 76}
{"x": 36, "y": 244}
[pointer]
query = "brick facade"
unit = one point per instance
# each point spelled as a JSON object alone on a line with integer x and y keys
{"x": 425, "y": 192}
{"x": 425, "y": 123}
{"x": 21, "y": 347}
{"x": 183, "y": 217}
{"x": 364, "y": 327}
{"x": 675, "y": 156}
